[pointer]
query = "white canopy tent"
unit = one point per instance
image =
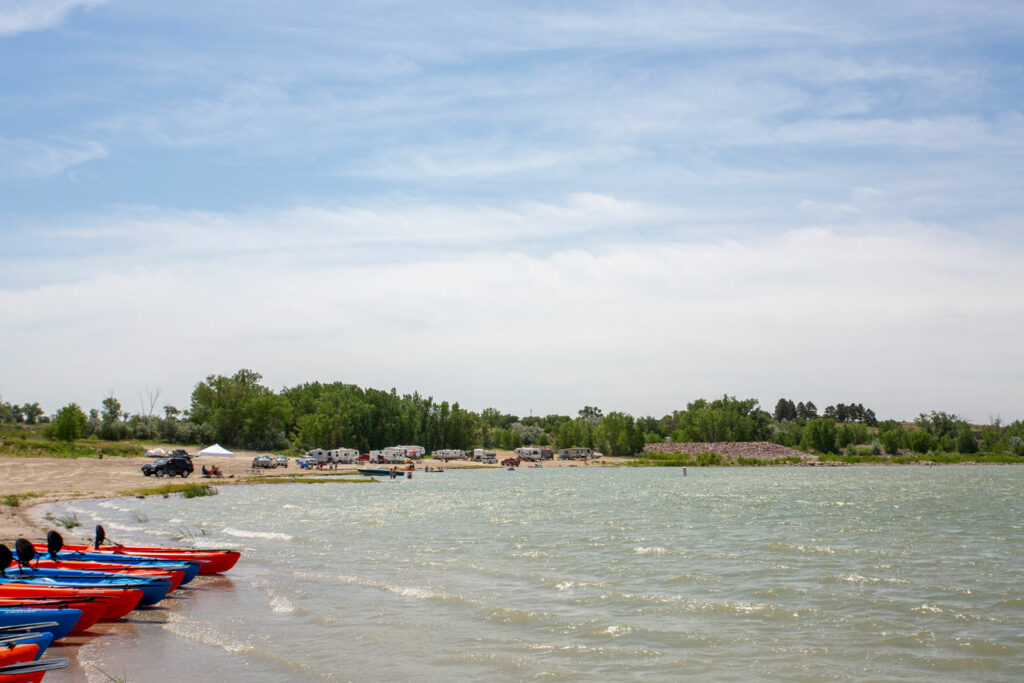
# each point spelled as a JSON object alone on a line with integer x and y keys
{"x": 218, "y": 450}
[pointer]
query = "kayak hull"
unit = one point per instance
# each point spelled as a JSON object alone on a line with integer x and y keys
{"x": 117, "y": 602}
{"x": 210, "y": 561}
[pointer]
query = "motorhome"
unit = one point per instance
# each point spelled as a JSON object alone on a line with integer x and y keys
{"x": 414, "y": 452}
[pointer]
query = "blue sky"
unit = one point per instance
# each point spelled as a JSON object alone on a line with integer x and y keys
{"x": 533, "y": 206}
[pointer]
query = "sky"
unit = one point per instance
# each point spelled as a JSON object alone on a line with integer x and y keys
{"x": 534, "y": 206}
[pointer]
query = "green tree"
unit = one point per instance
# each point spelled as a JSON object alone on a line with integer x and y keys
{"x": 820, "y": 434}
{"x": 32, "y": 413}
{"x": 725, "y": 419}
{"x": 965, "y": 441}
{"x": 70, "y": 423}
{"x": 891, "y": 439}
{"x": 621, "y": 434}
{"x": 785, "y": 409}
{"x": 111, "y": 409}
{"x": 920, "y": 441}
{"x": 241, "y": 410}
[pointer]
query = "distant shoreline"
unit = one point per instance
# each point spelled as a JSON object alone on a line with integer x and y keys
{"x": 35, "y": 481}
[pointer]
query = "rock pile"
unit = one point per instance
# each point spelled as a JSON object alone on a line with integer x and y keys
{"x": 730, "y": 449}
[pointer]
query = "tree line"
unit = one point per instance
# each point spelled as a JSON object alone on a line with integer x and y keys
{"x": 240, "y": 412}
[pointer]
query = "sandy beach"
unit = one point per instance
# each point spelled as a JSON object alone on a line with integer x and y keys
{"x": 56, "y": 479}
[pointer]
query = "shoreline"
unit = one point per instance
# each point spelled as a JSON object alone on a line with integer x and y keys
{"x": 54, "y": 480}
{"x": 48, "y": 480}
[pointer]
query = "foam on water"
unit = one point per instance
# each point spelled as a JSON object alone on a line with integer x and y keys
{"x": 246, "y": 533}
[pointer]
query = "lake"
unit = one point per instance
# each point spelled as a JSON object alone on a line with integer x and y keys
{"x": 582, "y": 574}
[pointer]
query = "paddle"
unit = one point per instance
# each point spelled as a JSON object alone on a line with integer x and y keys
{"x": 25, "y": 668}
{"x": 54, "y": 543}
{"x": 28, "y": 628}
{"x": 101, "y": 537}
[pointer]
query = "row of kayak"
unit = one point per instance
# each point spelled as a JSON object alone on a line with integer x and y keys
{"x": 50, "y": 590}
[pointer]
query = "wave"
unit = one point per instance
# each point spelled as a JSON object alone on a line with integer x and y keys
{"x": 204, "y": 633}
{"x": 245, "y": 533}
{"x": 649, "y": 551}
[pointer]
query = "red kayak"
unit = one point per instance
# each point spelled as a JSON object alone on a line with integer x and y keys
{"x": 210, "y": 561}
{"x": 116, "y": 602}
{"x": 92, "y": 610}
{"x": 13, "y": 654}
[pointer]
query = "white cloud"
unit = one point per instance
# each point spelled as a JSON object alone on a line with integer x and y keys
{"x": 19, "y": 16}
{"x": 38, "y": 159}
{"x": 899, "y": 317}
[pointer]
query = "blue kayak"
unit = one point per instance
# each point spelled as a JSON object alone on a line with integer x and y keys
{"x": 153, "y": 590}
{"x": 191, "y": 569}
{"x": 61, "y": 620}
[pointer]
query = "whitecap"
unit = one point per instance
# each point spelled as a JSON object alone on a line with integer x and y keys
{"x": 245, "y": 533}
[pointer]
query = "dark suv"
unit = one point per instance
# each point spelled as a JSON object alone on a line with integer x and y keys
{"x": 168, "y": 467}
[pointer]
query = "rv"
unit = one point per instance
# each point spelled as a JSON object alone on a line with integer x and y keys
{"x": 481, "y": 455}
{"x": 389, "y": 455}
{"x": 575, "y": 453}
{"x": 528, "y": 453}
{"x": 449, "y": 454}
{"x": 343, "y": 455}
{"x": 414, "y": 452}
{"x": 318, "y": 456}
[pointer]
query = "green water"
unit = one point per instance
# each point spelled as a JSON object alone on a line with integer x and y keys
{"x": 854, "y": 573}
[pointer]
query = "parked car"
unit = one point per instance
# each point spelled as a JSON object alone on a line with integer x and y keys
{"x": 263, "y": 461}
{"x": 168, "y": 467}
{"x": 510, "y": 462}
{"x": 282, "y": 461}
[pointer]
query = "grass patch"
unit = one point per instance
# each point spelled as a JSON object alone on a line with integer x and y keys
{"x": 68, "y": 521}
{"x": 914, "y": 458}
{"x": 677, "y": 460}
{"x": 139, "y": 516}
{"x": 187, "y": 490}
{"x": 14, "y": 499}
{"x": 765, "y": 462}
{"x": 29, "y": 441}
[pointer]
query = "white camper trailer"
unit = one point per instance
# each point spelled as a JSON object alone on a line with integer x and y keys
{"x": 528, "y": 453}
{"x": 318, "y": 456}
{"x": 344, "y": 455}
{"x": 450, "y": 454}
{"x": 389, "y": 455}
{"x": 414, "y": 452}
